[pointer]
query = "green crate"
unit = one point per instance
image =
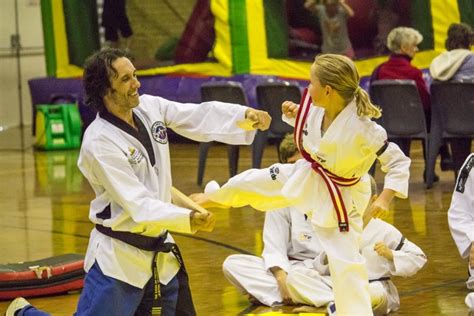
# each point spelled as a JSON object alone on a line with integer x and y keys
{"x": 58, "y": 126}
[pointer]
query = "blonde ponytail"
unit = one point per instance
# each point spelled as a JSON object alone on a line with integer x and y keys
{"x": 364, "y": 106}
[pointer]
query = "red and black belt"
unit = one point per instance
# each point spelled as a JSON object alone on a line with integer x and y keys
{"x": 331, "y": 180}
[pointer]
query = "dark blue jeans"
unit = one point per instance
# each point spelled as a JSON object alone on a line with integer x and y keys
{"x": 103, "y": 295}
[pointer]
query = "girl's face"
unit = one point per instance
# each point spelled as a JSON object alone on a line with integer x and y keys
{"x": 318, "y": 93}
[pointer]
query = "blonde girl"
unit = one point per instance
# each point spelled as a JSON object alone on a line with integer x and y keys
{"x": 339, "y": 142}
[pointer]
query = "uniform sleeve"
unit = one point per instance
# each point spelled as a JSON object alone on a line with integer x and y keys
{"x": 259, "y": 188}
{"x": 109, "y": 171}
{"x": 289, "y": 121}
{"x": 320, "y": 263}
{"x": 407, "y": 260}
{"x": 461, "y": 210}
{"x": 397, "y": 168}
{"x": 208, "y": 121}
{"x": 276, "y": 239}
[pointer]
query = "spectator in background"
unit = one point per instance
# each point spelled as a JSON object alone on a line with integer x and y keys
{"x": 332, "y": 15}
{"x": 403, "y": 44}
{"x": 457, "y": 64}
{"x": 114, "y": 19}
{"x": 387, "y": 18}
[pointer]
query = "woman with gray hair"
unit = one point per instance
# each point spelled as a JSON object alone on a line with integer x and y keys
{"x": 403, "y": 44}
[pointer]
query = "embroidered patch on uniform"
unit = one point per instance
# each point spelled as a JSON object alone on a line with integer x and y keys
{"x": 158, "y": 130}
{"x": 134, "y": 156}
{"x": 305, "y": 237}
{"x": 274, "y": 171}
{"x": 464, "y": 174}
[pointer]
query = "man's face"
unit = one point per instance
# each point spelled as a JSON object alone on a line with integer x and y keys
{"x": 124, "y": 87}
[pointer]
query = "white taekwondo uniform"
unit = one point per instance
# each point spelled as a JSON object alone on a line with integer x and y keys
{"x": 289, "y": 243}
{"x": 130, "y": 174}
{"x": 461, "y": 214}
{"x": 347, "y": 149}
{"x": 408, "y": 259}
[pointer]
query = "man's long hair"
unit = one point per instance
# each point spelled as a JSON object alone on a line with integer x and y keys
{"x": 98, "y": 70}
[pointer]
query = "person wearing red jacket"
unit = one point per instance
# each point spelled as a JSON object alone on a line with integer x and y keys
{"x": 403, "y": 43}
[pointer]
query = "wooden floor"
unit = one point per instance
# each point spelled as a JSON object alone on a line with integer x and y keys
{"x": 44, "y": 212}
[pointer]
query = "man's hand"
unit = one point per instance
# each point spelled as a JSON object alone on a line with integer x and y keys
{"x": 471, "y": 256}
{"x": 260, "y": 119}
{"x": 280, "y": 275}
{"x": 204, "y": 222}
{"x": 382, "y": 250}
{"x": 289, "y": 109}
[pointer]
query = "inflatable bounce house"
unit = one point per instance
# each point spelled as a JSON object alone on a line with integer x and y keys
{"x": 178, "y": 45}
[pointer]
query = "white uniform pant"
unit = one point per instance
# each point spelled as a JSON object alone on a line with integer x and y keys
{"x": 347, "y": 267}
{"x": 305, "y": 285}
{"x": 248, "y": 274}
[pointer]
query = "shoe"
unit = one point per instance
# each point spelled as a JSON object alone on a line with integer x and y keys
{"x": 331, "y": 309}
{"x": 16, "y": 305}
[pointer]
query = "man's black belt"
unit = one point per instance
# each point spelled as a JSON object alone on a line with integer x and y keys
{"x": 156, "y": 244}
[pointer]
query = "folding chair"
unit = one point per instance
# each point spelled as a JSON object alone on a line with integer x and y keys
{"x": 270, "y": 96}
{"x": 224, "y": 91}
{"x": 452, "y": 106}
{"x": 402, "y": 111}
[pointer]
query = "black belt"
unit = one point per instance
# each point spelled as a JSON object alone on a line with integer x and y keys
{"x": 156, "y": 244}
{"x": 380, "y": 279}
